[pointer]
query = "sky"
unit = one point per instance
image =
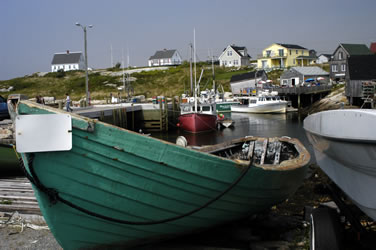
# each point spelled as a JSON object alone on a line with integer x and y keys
{"x": 32, "y": 31}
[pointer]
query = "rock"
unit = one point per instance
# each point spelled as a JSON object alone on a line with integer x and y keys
{"x": 6, "y": 133}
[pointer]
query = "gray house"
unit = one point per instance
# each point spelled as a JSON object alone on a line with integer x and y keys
{"x": 165, "y": 57}
{"x": 244, "y": 83}
{"x": 296, "y": 76}
{"x": 339, "y": 59}
{"x": 361, "y": 69}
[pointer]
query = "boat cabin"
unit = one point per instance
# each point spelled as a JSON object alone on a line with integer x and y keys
{"x": 204, "y": 108}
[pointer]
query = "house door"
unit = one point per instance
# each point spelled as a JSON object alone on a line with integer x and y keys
{"x": 293, "y": 81}
{"x": 264, "y": 64}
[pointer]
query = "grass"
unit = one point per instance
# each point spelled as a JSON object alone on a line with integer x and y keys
{"x": 171, "y": 82}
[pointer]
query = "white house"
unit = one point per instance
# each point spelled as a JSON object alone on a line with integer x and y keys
{"x": 165, "y": 57}
{"x": 234, "y": 56}
{"x": 68, "y": 61}
{"x": 323, "y": 58}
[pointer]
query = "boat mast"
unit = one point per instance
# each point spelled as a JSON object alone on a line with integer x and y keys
{"x": 214, "y": 87}
{"x": 194, "y": 62}
{"x": 122, "y": 57}
{"x": 190, "y": 70}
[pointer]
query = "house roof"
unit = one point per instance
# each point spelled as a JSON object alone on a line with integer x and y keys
{"x": 246, "y": 76}
{"x": 362, "y": 67}
{"x": 372, "y": 48}
{"x": 356, "y": 49}
{"x": 237, "y": 50}
{"x": 313, "y": 71}
{"x": 291, "y": 46}
{"x": 66, "y": 58}
{"x": 326, "y": 55}
{"x": 161, "y": 54}
{"x": 307, "y": 57}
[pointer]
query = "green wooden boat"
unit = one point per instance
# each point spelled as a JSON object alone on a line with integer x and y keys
{"x": 116, "y": 188}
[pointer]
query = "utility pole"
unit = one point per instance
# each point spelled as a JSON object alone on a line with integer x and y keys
{"x": 86, "y": 64}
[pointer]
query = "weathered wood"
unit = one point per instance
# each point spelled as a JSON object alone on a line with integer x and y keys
{"x": 277, "y": 152}
{"x": 264, "y": 146}
{"x": 16, "y": 194}
{"x": 21, "y": 209}
{"x": 250, "y": 150}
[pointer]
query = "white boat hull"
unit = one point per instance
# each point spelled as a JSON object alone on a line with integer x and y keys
{"x": 345, "y": 148}
{"x": 278, "y": 107}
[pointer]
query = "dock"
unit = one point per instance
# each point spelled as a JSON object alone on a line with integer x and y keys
{"x": 134, "y": 116}
{"x": 16, "y": 194}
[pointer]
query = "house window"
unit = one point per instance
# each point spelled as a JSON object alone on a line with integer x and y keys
{"x": 224, "y": 62}
{"x": 343, "y": 67}
{"x": 229, "y": 53}
{"x": 280, "y": 51}
{"x": 236, "y": 62}
{"x": 293, "y": 61}
{"x": 334, "y": 68}
{"x": 290, "y": 51}
{"x": 268, "y": 52}
{"x": 296, "y": 51}
{"x": 340, "y": 55}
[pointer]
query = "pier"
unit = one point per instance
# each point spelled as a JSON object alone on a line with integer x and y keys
{"x": 135, "y": 116}
{"x": 303, "y": 96}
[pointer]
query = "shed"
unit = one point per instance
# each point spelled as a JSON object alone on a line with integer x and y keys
{"x": 296, "y": 76}
{"x": 242, "y": 83}
{"x": 361, "y": 68}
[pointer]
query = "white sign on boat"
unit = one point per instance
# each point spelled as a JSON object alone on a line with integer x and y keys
{"x": 43, "y": 133}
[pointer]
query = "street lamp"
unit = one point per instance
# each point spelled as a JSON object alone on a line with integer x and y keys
{"x": 86, "y": 67}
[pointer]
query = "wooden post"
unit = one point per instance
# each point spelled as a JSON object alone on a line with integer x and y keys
{"x": 125, "y": 118}
{"x": 132, "y": 117}
{"x": 166, "y": 114}
{"x": 101, "y": 116}
{"x": 120, "y": 118}
{"x": 173, "y": 108}
{"x": 160, "y": 114}
{"x": 114, "y": 117}
{"x": 298, "y": 102}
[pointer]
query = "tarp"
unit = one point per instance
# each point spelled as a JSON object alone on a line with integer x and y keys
{"x": 309, "y": 80}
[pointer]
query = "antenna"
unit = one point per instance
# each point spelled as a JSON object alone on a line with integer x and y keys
{"x": 112, "y": 62}
{"x": 123, "y": 70}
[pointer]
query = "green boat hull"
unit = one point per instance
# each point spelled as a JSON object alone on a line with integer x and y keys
{"x": 124, "y": 175}
{"x": 224, "y": 106}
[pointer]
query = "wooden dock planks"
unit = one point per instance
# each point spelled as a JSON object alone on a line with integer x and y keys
{"x": 16, "y": 194}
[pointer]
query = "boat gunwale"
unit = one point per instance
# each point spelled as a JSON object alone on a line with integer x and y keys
{"x": 301, "y": 161}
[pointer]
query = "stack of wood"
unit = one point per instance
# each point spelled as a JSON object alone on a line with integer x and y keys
{"x": 16, "y": 194}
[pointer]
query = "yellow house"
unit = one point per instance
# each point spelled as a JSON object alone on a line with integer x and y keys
{"x": 279, "y": 56}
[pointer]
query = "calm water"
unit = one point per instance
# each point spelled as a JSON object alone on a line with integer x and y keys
{"x": 265, "y": 125}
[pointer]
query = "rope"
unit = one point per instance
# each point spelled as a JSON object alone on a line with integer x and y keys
{"x": 54, "y": 197}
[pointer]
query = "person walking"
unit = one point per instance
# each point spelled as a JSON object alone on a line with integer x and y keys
{"x": 68, "y": 103}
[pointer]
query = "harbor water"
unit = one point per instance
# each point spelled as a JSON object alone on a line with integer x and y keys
{"x": 263, "y": 125}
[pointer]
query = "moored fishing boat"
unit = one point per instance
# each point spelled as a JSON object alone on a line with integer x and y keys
{"x": 196, "y": 116}
{"x": 263, "y": 102}
{"x": 344, "y": 143}
{"x": 114, "y": 187}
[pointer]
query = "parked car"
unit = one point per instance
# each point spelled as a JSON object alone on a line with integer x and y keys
{"x": 4, "y": 114}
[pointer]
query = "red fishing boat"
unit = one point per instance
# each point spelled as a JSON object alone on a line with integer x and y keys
{"x": 197, "y": 117}
{"x": 197, "y": 114}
